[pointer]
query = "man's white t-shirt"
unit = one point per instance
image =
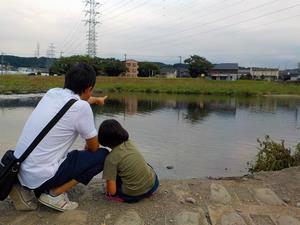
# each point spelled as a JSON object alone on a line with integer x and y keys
{"x": 44, "y": 161}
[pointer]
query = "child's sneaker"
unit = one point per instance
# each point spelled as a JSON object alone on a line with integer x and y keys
{"x": 60, "y": 202}
{"x": 23, "y": 198}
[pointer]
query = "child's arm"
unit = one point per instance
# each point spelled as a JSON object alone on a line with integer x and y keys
{"x": 111, "y": 187}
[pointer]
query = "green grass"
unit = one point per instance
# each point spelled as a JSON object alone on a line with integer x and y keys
{"x": 33, "y": 84}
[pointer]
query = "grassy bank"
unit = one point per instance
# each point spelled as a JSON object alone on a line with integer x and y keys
{"x": 32, "y": 84}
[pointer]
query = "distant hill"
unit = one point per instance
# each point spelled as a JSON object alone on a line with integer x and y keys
{"x": 17, "y": 61}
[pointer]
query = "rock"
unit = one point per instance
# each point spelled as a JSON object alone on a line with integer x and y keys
{"x": 287, "y": 220}
{"x": 170, "y": 167}
{"x": 187, "y": 218}
{"x": 267, "y": 196}
{"x": 108, "y": 216}
{"x": 244, "y": 179}
{"x": 190, "y": 200}
{"x": 298, "y": 204}
{"x": 232, "y": 219}
{"x": 171, "y": 221}
{"x": 218, "y": 193}
{"x": 286, "y": 199}
{"x": 129, "y": 218}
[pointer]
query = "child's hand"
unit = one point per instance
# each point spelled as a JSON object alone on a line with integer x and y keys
{"x": 113, "y": 198}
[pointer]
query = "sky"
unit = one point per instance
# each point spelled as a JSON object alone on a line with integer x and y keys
{"x": 249, "y": 32}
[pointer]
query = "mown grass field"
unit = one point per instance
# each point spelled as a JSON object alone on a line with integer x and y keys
{"x": 19, "y": 84}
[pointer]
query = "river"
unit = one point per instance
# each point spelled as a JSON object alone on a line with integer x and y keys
{"x": 198, "y": 136}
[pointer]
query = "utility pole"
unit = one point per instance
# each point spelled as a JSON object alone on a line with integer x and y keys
{"x": 91, "y": 20}
{"x": 51, "y": 51}
{"x": 179, "y": 70}
{"x": 2, "y": 62}
{"x": 50, "y": 55}
{"x": 37, "y": 51}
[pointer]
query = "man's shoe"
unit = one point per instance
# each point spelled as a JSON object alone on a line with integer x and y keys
{"x": 60, "y": 202}
{"x": 23, "y": 198}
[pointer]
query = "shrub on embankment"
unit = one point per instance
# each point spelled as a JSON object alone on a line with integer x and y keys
{"x": 273, "y": 156}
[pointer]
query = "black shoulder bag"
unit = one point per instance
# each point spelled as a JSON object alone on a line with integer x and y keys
{"x": 10, "y": 165}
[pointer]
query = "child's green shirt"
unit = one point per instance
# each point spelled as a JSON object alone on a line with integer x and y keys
{"x": 128, "y": 163}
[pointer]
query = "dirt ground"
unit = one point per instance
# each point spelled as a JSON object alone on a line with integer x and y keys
{"x": 267, "y": 198}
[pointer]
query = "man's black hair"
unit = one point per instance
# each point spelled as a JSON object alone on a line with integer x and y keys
{"x": 80, "y": 77}
{"x": 111, "y": 133}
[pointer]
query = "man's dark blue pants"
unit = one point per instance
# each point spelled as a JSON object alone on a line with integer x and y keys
{"x": 81, "y": 166}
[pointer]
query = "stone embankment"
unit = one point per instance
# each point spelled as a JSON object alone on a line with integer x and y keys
{"x": 269, "y": 198}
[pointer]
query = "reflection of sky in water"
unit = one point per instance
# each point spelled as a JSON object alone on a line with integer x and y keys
{"x": 199, "y": 136}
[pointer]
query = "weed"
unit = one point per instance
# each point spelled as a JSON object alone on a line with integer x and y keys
{"x": 274, "y": 156}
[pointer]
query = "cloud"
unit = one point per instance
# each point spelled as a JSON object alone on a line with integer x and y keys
{"x": 260, "y": 32}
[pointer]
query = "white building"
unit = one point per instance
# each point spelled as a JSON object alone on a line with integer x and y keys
{"x": 264, "y": 73}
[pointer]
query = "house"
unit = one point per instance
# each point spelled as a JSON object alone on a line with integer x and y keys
{"x": 224, "y": 71}
{"x": 168, "y": 72}
{"x": 183, "y": 73}
{"x": 264, "y": 73}
{"x": 244, "y": 73}
{"x": 292, "y": 74}
{"x": 182, "y": 70}
{"x": 132, "y": 67}
{"x": 31, "y": 70}
{"x": 25, "y": 70}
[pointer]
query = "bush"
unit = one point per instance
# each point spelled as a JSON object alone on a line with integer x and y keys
{"x": 274, "y": 156}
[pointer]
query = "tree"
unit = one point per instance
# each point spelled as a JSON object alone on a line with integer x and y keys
{"x": 246, "y": 77}
{"x": 63, "y": 64}
{"x": 148, "y": 68}
{"x": 107, "y": 67}
{"x": 198, "y": 65}
{"x": 114, "y": 67}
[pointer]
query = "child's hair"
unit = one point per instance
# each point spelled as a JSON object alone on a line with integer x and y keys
{"x": 111, "y": 133}
{"x": 80, "y": 77}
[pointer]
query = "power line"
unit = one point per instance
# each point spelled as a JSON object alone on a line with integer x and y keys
{"x": 180, "y": 21}
{"x": 70, "y": 34}
{"x": 128, "y": 10}
{"x": 123, "y": 4}
{"x": 276, "y": 21}
{"x": 194, "y": 27}
{"x": 237, "y": 23}
{"x": 74, "y": 44}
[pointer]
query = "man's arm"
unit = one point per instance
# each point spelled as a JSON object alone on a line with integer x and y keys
{"x": 97, "y": 100}
{"x": 111, "y": 187}
{"x": 92, "y": 144}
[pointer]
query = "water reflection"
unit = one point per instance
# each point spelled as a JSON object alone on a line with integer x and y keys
{"x": 198, "y": 135}
{"x": 195, "y": 109}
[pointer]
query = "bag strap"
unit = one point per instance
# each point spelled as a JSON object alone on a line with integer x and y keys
{"x": 45, "y": 131}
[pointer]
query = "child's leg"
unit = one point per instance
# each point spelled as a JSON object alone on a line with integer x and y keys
{"x": 133, "y": 199}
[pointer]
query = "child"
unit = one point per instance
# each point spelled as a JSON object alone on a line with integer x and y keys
{"x": 128, "y": 176}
